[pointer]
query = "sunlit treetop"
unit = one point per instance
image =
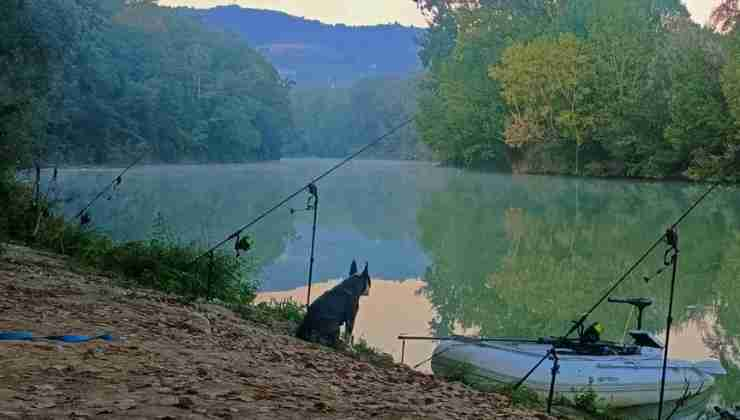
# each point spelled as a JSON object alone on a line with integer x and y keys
{"x": 725, "y": 16}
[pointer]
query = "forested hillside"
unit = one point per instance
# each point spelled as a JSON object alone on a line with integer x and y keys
{"x": 312, "y": 53}
{"x": 612, "y": 87}
{"x": 350, "y": 85}
{"x": 103, "y": 81}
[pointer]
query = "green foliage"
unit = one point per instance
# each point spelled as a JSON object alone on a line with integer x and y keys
{"x": 634, "y": 85}
{"x": 361, "y": 350}
{"x": 274, "y": 310}
{"x": 587, "y": 401}
{"x": 464, "y": 372}
{"x": 461, "y": 112}
{"x": 700, "y": 120}
{"x": 548, "y": 84}
{"x": 160, "y": 263}
{"x": 730, "y": 80}
{"x": 459, "y": 371}
{"x": 521, "y": 396}
{"x": 102, "y": 82}
{"x": 334, "y": 122}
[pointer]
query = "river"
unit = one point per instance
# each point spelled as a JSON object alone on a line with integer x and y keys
{"x": 452, "y": 250}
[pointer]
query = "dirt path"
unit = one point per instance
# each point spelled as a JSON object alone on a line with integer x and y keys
{"x": 172, "y": 360}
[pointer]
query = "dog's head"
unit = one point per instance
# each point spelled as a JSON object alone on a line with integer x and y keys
{"x": 362, "y": 280}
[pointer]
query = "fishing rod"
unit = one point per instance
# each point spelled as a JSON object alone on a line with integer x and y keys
{"x": 311, "y": 205}
{"x": 84, "y": 219}
{"x": 476, "y": 339}
{"x": 672, "y": 239}
{"x": 281, "y": 203}
{"x": 671, "y": 230}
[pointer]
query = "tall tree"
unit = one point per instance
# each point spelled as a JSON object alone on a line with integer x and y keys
{"x": 548, "y": 85}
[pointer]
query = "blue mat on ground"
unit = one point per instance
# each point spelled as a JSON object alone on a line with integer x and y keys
{"x": 28, "y": 336}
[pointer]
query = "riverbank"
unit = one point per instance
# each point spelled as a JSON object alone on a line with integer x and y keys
{"x": 171, "y": 359}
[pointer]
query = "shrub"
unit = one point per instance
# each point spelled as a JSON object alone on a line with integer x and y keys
{"x": 360, "y": 349}
{"x": 284, "y": 310}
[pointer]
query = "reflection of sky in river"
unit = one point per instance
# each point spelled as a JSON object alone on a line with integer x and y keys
{"x": 394, "y": 259}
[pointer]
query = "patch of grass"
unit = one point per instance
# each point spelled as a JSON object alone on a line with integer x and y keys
{"x": 589, "y": 403}
{"x": 521, "y": 396}
{"x": 286, "y": 310}
{"x": 586, "y": 401}
{"x": 361, "y": 350}
{"x": 460, "y": 372}
{"x": 465, "y": 373}
{"x": 161, "y": 263}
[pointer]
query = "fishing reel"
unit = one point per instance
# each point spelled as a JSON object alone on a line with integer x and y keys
{"x": 114, "y": 187}
{"x": 589, "y": 335}
{"x": 242, "y": 244}
{"x": 670, "y": 254}
{"x": 85, "y": 219}
{"x": 311, "y": 201}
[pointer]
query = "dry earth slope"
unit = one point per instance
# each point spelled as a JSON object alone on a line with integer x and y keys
{"x": 171, "y": 360}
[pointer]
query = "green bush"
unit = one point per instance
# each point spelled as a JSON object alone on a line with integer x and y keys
{"x": 161, "y": 263}
{"x": 275, "y": 310}
{"x": 586, "y": 401}
{"x": 360, "y": 349}
{"x": 521, "y": 396}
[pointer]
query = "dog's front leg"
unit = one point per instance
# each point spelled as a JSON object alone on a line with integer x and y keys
{"x": 347, "y": 334}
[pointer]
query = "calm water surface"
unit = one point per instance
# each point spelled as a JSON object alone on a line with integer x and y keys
{"x": 454, "y": 250}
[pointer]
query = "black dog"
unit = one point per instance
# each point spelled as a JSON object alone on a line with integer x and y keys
{"x": 336, "y": 307}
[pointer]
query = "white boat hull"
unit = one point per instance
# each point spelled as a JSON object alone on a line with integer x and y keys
{"x": 619, "y": 381}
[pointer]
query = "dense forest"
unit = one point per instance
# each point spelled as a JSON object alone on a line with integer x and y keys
{"x": 95, "y": 82}
{"x": 334, "y": 122}
{"x": 611, "y": 88}
{"x": 312, "y": 53}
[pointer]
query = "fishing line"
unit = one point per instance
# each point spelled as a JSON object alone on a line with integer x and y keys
{"x": 116, "y": 181}
{"x": 639, "y": 261}
{"x": 304, "y": 188}
{"x": 661, "y": 239}
{"x": 435, "y": 354}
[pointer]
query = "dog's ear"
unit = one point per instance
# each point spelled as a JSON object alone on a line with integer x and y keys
{"x": 365, "y": 272}
{"x": 353, "y": 268}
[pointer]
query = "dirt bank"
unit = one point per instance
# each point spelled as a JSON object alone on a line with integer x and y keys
{"x": 171, "y": 360}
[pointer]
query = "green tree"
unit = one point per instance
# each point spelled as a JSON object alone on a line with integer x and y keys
{"x": 103, "y": 81}
{"x": 700, "y": 120}
{"x": 731, "y": 83}
{"x": 334, "y": 122}
{"x": 461, "y": 111}
{"x": 548, "y": 85}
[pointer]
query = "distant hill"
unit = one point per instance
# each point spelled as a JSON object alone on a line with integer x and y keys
{"x": 314, "y": 54}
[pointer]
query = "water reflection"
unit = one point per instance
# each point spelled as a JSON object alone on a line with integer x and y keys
{"x": 367, "y": 210}
{"x": 498, "y": 254}
{"x": 395, "y": 307}
{"x": 524, "y": 256}
{"x": 392, "y": 308}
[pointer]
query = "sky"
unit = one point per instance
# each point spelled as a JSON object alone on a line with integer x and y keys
{"x": 370, "y": 12}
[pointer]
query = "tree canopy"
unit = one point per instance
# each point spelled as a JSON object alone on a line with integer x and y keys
{"x": 615, "y": 87}
{"x": 97, "y": 82}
